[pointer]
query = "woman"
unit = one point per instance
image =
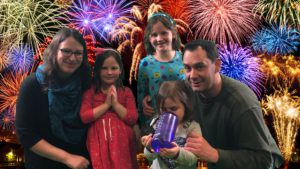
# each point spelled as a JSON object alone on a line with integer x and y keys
{"x": 47, "y": 119}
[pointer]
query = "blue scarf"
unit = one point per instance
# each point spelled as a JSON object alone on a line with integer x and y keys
{"x": 64, "y": 105}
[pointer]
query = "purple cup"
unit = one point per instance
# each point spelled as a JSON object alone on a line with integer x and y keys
{"x": 165, "y": 131}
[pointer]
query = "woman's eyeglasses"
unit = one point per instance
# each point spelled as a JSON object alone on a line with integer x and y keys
{"x": 69, "y": 52}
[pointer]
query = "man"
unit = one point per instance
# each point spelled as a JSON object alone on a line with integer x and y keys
{"x": 230, "y": 116}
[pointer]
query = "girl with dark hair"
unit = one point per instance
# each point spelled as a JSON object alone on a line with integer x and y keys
{"x": 163, "y": 62}
{"x": 48, "y": 124}
{"x": 110, "y": 109}
{"x": 175, "y": 97}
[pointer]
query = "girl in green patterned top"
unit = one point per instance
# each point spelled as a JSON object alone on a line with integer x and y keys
{"x": 163, "y": 62}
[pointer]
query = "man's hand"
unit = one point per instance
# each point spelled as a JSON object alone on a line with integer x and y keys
{"x": 201, "y": 148}
{"x": 147, "y": 109}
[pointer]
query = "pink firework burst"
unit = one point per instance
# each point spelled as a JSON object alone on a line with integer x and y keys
{"x": 222, "y": 21}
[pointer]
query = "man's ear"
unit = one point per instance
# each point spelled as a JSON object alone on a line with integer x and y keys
{"x": 217, "y": 65}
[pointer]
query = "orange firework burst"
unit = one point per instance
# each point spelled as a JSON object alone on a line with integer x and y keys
{"x": 39, "y": 55}
{"x": 3, "y": 59}
{"x": 283, "y": 70}
{"x": 63, "y": 3}
{"x": 272, "y": 69}
{"x": 292, "y": 68}
{"x": 175, "y": 8}
{"x": 90, "y": 45}
{"x": 130, "y": 32}
{"x": 144, "y": 5}
{"x": 285, "y": 110}
{"x": 9, "y": 88}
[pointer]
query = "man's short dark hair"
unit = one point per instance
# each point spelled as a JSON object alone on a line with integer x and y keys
{"x": 209, "y": 46}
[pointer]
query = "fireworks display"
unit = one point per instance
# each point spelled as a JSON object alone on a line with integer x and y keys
{"x": 240, "y": 64}
{"x": 222, "y": 21}
{"x": 96, "y": 17}
{"x": 9, "y": 88}
{"x": 42, "y": 48}
{"x": 3, "y": 59}
{"x": 292, "y": 68}
{"x": 130, "y": 32}
{"x": 28, "y": 20}
{"x": 7, "y": 120}
{"x": 21, "y": 58}
{"x": 63, "y": 3}
{"x": 282, "y": 12}
{"x": 272, "y": 70}
{"x": 144, "y": 6}
{"x": 285, "y": 110}
{"x": 272, "y": 62}
{"x": 281, "y": 71}
{"x": 275, "y": 40}
{"x": 175, "y": 8}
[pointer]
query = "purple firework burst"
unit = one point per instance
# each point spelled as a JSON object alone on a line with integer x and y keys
{"x": 240, "y": 64}
{"x": 21, "y": 58}
{"x": 96, "y": 17}
{"x": 7, "y": 120}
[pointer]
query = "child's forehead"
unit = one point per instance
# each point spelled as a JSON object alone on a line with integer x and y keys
{"x": 170, "y": 100}
{"x": 159, "y": 24}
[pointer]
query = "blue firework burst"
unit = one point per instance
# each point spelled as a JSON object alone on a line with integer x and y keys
{"x": 7, "y": 120}
{"x": 240, "y": 64}
{"x": 275, "y": 40}
{"x": 21, "y": 58}
{"x": 96, "y": 17}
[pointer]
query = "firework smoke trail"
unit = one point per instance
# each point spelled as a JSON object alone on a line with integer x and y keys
{"x": 285, "y": 110}
{"x": 21, "y": 58}
{"x": 9, "y": 88}
{"x": 282, "y": 12}
{"x": 7, "y": 120}
{"x": 240, "y": 64}
{"x": 96, "y": 17}
{"x": 28, "y": 20}
{"x": 275, "y": 40}
{"x": 222, "y": 21}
